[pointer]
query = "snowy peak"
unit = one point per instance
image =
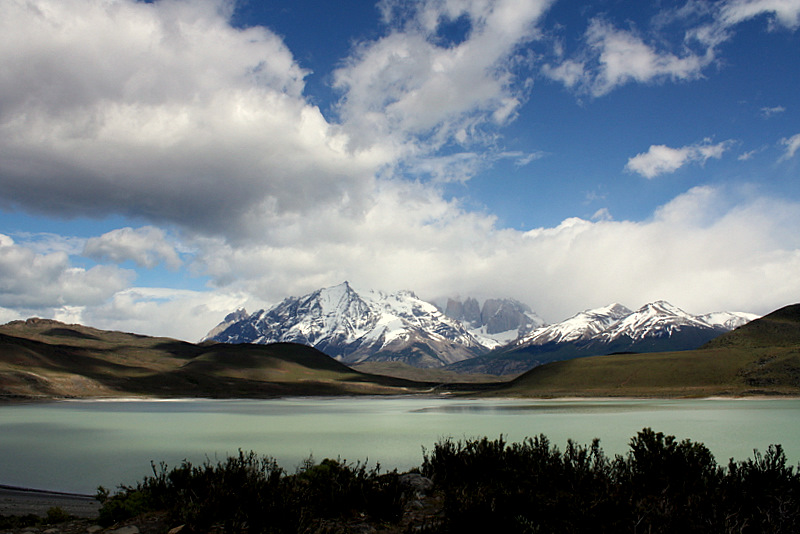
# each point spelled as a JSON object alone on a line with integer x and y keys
{"x": 336, "y": 310}
{"x": 353, "y": 327}
{"x": 615, "y": 322}
{"x": 657, "y": 319}
{"x": 728, "y": 320}
{"x": 581, "y": 326}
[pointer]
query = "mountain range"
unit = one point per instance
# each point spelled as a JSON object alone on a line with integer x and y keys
{"x": 503, "y": 336}
{"x": 46, "y": 359}
{"x": 655, "y": 327}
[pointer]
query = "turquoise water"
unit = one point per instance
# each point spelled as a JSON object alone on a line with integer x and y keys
{"x": 78, "y": 445}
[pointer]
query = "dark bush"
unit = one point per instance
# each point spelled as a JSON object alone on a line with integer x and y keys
{"x": 661, "y": 485}
{"x": 249, "y": 493}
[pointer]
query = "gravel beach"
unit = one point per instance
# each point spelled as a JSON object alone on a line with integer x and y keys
{"x": 22, "y": 501}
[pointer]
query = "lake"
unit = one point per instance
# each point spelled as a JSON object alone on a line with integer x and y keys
{"x": 77, "y": 445}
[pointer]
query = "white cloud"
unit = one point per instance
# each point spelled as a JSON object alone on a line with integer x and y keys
{"x": 409, "y": 83}
{"x": 625, "y": 57}
{"x": 784, "y": 12}
{"x": 612, "y": 57}
{"x": 661, "y": 159}
{"x": 792, "y": 144}
{"x": 602, "y": 215}
{"x": 33, "y": 281}
{"x": 147, "y": 247}
{"x": 180, "y": 314}
{"x": 768, "y": 112}
{"x": 162, "y": 111}
{"x": 615, "y": 57}
{"x": 569, "y": 72}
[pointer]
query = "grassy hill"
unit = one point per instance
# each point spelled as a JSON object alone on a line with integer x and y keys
{"x": 44, "y": 358}
{"x": 761, "y": 357}
{"x": 427, "y": 374}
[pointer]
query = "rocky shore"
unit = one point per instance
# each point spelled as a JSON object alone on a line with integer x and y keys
{"x": 422, "y": 511}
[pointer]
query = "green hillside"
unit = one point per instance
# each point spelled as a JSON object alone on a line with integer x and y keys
{"x": 761, "y": 357}
{"x": 47, "y": 359}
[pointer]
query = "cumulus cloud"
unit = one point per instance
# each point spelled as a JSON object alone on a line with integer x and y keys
{"x": 33, "y": 281}
{"x": 411, "y": 83}
{"x": 163, "y": 111}
{"x": 792, "y": 144}
{"x": 180, "y": 314}
{"x": 614, "y": 57}
{"x": 624, "y": 57}
{"x": 147, "y": 247}
{"x": 611, "y": 57}
{"x": 661, "y": 159}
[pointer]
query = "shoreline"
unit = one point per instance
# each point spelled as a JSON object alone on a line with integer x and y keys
{"x": 20, "y": 501}
{"x": 18, "y": 400}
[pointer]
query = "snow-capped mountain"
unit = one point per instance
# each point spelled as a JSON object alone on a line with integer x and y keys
{"x": 582, "y": 326}
{"x": 353, "y": 327}
{"x": 655, "y": 327}
{"x": 728, "y": 320}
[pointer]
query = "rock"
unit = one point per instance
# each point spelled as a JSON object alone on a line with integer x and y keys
{"x": 93, "y": 529}
{"x": 416, "y": 482}
{"x": 176, "y": 530}
{"x": 362, "y": 528}
{"x": 130, "y": 529}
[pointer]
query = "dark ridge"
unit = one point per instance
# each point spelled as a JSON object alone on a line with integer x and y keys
{"x": 69, "y": 332}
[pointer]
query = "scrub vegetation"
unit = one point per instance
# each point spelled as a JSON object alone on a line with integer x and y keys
{"x": 661, "y": 485}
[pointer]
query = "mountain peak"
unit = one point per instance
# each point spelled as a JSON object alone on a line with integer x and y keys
{"x": 353, "y": 327}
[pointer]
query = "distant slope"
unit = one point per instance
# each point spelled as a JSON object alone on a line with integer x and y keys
{"x": 780, "y": 328}
{"x": 761, "y": 357}
{"x": 44, "y": 358}
{"x": 441, "y": 376}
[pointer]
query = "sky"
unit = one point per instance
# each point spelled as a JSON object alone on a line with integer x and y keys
{"x": 165, "y": 163}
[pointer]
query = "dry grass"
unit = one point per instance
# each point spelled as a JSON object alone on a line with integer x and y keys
{"x": 42, "y": 358}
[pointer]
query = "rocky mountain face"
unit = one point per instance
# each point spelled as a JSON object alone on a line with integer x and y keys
{"x": 501, "y": 336}
{"x": 497, "y": 322}
{"x": 655, "y": 327}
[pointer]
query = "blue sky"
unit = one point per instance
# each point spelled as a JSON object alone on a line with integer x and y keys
{"x": 164, "y": 163}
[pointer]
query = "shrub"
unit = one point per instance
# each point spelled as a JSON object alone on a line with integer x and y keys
{"x": 661, "y": 485}
{"x": 253, "y": 494}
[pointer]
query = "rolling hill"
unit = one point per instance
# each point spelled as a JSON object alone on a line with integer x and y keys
{"x": 760, "y": 357}
{"x": 42, "y": 358}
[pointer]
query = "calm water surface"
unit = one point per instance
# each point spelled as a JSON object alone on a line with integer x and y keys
{"x": 78, "y": 445}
